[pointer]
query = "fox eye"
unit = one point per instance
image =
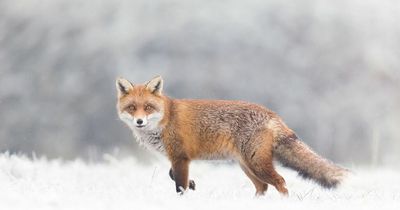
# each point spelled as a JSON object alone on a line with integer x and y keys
{"x": 131, "y": 108}
{"x": 148, "y": 108}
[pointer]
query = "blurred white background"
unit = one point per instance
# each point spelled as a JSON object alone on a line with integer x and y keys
{"x": 331, "y": 69}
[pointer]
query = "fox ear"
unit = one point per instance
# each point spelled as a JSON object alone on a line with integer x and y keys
{"x": 123, "y": 86}
{"x": 155, "y": 85}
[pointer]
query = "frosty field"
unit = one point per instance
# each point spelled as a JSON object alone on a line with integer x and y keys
{"x": 126, "y": 184}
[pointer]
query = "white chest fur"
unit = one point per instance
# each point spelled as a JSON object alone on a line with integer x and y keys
{"x": 151, "y": 139}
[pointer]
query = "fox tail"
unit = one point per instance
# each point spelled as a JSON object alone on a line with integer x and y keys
{"x": 294, "y": 154}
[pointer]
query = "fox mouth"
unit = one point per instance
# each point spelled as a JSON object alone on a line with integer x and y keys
{"x": 140, "y": 126}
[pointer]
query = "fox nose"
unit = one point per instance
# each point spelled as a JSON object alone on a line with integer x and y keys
{"x": 139, "y": 121}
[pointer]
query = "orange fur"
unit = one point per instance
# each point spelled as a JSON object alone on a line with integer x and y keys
{"x": 186, "y": 130}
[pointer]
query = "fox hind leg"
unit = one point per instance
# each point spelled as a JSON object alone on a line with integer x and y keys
{"x": 260, "y": 162}
{"x": 269, "y": 175}
{"x": 261, "y": 187}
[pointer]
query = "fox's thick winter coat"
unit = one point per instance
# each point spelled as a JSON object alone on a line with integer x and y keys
{"x": 251, "y": 134}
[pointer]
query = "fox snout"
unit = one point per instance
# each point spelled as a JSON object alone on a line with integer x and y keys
{"x": 140, "y": 122}
{"x": 133, "y": 121}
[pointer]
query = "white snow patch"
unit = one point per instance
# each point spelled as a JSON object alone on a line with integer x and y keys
{"x": 125, "y": 184}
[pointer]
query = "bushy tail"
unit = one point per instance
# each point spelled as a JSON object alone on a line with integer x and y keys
{"x": 293, "y": 153}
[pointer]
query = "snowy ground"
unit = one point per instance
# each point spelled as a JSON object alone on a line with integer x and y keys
{"x": 125, "y": 184}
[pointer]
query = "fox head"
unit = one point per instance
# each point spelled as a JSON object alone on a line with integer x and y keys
{"x": 140, "y": 106}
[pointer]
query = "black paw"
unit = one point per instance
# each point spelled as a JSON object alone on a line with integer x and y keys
{"x": 192, "y": 185}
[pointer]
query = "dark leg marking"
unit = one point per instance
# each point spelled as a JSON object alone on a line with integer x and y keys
{"x": 192, "y": 184}
{"x": 254, "y": 153}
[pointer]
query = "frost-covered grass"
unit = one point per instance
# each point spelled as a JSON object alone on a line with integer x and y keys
{"x": 126, "y": 184}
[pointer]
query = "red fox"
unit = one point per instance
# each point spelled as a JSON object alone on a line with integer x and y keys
{"x": 251, "y": 134}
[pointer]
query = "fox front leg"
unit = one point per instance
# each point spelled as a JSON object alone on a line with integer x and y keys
{"x": 192, "y": 184}
{"x": 180, "y": 170}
